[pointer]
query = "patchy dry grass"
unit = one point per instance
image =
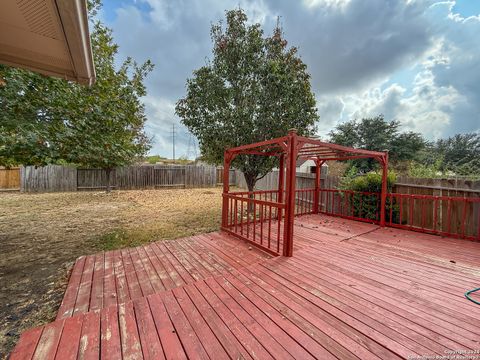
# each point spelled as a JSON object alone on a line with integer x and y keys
{"x": 41, "y": 235}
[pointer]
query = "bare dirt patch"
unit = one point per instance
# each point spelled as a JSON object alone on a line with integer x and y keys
{"x": 41, "y": 235}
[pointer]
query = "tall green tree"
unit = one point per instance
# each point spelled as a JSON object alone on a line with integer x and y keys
{"x": 460, "y": 151}
{"x": 29, "y": 121}
{"x": 45, "y": 120}
{"x": 377, "y": 134}
{"x": 109, "y": 117}
{"x": 254, "y": 89}
{"x": 456, "y": 155}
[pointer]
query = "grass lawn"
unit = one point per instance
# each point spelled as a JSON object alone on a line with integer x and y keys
{"x": 41, "y": 235}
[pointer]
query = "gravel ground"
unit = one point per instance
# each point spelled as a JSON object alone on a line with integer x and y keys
{"x": 41, "y": 235}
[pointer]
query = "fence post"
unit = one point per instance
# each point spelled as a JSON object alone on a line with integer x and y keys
{"x": 290, "y": 193}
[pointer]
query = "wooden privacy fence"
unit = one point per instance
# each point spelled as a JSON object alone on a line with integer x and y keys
{"x": 10, "y": 179}
{"x": 232, "y": 177}
{"x": 303, "y": 180}
{"x": 48, "y": 178}
{"x": 53, "y": 178}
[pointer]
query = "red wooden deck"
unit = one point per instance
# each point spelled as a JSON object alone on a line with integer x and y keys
{"x": 114, "y": 277}
{"x": 351, "y": 291}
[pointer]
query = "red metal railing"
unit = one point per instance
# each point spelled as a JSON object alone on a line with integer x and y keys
{"x": 355, "y": 205}
{"x": 441, "y": 215}
{"x": 304, "y": 200}
{"x": 256, "y": 217}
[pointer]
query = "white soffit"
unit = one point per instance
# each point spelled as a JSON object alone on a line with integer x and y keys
{"x": 47, "y": 36}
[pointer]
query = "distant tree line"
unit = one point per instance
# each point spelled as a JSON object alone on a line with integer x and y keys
{"x": 409, "y": 151}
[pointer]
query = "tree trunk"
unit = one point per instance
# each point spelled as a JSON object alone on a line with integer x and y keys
{"x": 108, "y": 171}
{"x": 250, "y": 179}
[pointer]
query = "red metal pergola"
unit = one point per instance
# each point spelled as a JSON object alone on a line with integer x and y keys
{"x": 288, "y": 148}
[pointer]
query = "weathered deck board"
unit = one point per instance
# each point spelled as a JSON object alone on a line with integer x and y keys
{"x": 351, "y": 291}
{"x": 115, "y": 277}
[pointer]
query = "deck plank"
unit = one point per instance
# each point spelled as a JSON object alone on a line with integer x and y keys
{"x": 151, "y": 345}
{"x": 171, "y": 344}
{"x": 27, "y": 344}
{"x": 70, "y": 296}
{"x": 121, "y": 286}
{"x": 191, "y": 343}
{"x": 89, "y": 347}
{"x": 129, "y": 337}
{"x": 82, "y": 302}
{"x": 250, "y": 343}
{"x": 144, "y": 280}
{"x": 97, "y": 292}
{"x": 210, "y": 343}
{"x": 48, "y": 343}
{"x": 426, "y": 301}
{"x": 111, "y": 347}
{"x": 282, "y": 337}
{"x": 391, "y": 299}
{"x": 351, "y": 291}
{"x": 109, "y": 290}
{"x": 263, "y": 336}
{"x": 69, "y": 342}
{"x": 116, "y": 277}
{"x": 373, "y": 306}
{"x": 383, "y": 330}
{"x": 302, "y": 338}
{"x": 131, "y": 276}
{"x": 218, "y": 327}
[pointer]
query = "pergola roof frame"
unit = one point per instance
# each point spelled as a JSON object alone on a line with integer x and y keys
{"x": 290, "y": 148}
{"x": 318, "y": 150}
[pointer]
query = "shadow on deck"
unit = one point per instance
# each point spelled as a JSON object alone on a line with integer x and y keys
{"x": 351, "y": 290}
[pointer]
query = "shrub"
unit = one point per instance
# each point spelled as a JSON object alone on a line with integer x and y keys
{"x": 367, "y": 206}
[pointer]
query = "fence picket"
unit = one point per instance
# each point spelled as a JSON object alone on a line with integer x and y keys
{"x": 59, "y": 178}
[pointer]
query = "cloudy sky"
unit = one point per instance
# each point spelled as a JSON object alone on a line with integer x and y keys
{"x": 416, "y": 61}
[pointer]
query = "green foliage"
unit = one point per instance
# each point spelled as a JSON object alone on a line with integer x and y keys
{"x": 378, "y": 135}
{"x": 368, "y": 205}
{"x": 45, "y": 120}
{"x": 183, "y": 160}
{"x": 422, "y": 170}
{"x": 458, "y": 155}
{"x": 370, "y": 182}
{"x": 30, "y": 109}
{"x": 153, "y": 159}
{"x": 107, "y": 128}
{"x": 254, "y": 89}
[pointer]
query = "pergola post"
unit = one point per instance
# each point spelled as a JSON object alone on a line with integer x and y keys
{"x": 288, "y": 148}
{"x": 281, "y": 178}
{"x": 227, "y": 159}
{"x": 383, "y": 195}
{"x": 318, "y": 179}
{"x": 290, "y": 193}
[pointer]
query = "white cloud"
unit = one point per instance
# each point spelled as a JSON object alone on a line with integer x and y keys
{"x": 354, "y": 50}
{"x": 338, "y": 4}
{"x": 444, "y": 96}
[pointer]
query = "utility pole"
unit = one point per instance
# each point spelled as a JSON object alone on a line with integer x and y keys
{"x": 192, "y": 147}
{"x": 173, "y": 141}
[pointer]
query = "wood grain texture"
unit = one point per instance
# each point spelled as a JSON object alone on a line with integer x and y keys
{"x": 351, "y": 291}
